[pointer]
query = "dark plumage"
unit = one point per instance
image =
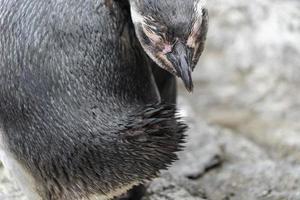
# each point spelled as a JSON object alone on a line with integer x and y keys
{"x": 164, "y": 12}
{"x": 82, "y": 114}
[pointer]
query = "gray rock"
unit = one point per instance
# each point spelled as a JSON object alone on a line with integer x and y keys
{"x": 253, "y": 54}
{"x": 219, "y": 164}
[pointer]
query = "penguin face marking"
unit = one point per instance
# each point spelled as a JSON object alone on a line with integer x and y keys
{"x": 172, "y": 32}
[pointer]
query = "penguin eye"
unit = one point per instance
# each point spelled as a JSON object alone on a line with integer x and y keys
{"x": 152, "y": 25}
{"x": 152, "y": 34}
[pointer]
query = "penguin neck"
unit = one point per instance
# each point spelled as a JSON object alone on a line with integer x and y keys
{"x": 130, "y": 80}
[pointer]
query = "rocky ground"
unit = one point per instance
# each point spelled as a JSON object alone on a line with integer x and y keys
{"x": 244, "y": 137}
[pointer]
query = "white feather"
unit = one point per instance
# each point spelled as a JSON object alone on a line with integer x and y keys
{"x": 199, "y": 6}
{"x": 136, "y": 16}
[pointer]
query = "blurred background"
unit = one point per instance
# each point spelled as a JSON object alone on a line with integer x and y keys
{"x": 244, "y": 113}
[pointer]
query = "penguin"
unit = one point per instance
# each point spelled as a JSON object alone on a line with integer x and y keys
{"x": 88, "y": 94}
{"x": 172, "y": 33}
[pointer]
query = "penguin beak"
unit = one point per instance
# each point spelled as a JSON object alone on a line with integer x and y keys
{"x": 179, "y": 57}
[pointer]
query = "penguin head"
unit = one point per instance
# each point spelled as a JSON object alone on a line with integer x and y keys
{"x": 172, "y": 33}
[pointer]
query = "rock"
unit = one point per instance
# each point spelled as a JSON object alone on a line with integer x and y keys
{"x": 8, "y": 190}
{"x": 219, "y": 164}
{"x": 252, "y": 50}
{"x": 168, "y": 187}
{"x": 252, "y": 56}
